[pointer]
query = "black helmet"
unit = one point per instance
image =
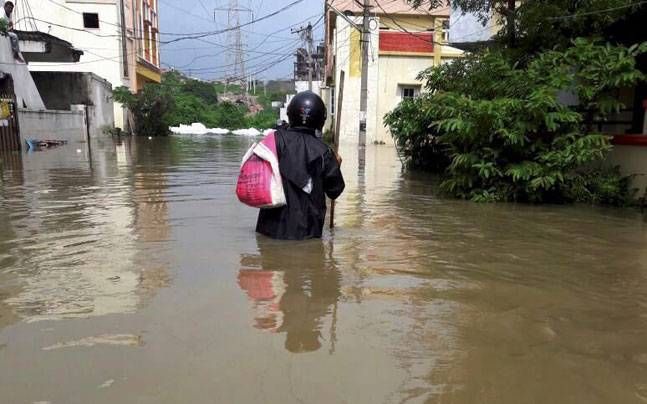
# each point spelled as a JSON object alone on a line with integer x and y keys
{"x": 308, "y": 110}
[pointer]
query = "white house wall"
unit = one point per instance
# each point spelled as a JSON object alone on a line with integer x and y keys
{"x": 102, "y": 49}
{"x": 396, "y": 71}
{"x": 349, "y": 127}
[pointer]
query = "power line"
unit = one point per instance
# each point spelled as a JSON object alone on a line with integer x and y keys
{"x": 181, "y": 36}
{"x": 262, "y": 54}
{"x": 203, "y": 7}
{"x": 229, "y": 29}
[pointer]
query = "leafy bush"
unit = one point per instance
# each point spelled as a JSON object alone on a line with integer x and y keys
{"x": 263, "y": 120}
{"x": 500, "y": 132}
{"x": 150, "y": 108}
{"x": 604, "y": 186}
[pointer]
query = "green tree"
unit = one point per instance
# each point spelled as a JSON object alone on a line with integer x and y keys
{"x": 511, "y": 138}
{"x": 150, "y": 108}
{"x": 528, "y": 27}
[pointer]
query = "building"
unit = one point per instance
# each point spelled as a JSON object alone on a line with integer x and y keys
{"x": 629, "y": 125}
{"x": 403, "y": 42}
{"x": 119, "y": 39}
{"x": 301, "y": 72}
{"x": 70, "y": 106}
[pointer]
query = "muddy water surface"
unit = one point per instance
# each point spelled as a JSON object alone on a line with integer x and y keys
{"x": 129, "y": 273}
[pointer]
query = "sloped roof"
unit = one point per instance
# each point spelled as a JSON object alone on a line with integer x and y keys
{"x": 401, "y": 7}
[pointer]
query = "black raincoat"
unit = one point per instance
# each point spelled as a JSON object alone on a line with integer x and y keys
{"x": 306, "y": 164}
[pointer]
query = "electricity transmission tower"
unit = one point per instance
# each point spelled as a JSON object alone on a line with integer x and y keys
{"x": 236, "y": 41}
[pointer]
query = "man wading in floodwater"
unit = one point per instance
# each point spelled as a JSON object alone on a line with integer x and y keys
{"x": 310, "y": 170}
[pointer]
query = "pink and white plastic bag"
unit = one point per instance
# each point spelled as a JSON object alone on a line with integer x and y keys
{"x": 259, "y": 182}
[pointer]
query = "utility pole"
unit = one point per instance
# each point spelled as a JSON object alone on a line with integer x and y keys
{"x": 363, "y": 101}
{"x": 306, "y": 36}
{"x": 124, "y": 43}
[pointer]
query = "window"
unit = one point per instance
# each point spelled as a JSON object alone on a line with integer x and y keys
{"x": 408, "y": 92}
{"x": 445, "y": 30}
{"x": 90, "y": 20}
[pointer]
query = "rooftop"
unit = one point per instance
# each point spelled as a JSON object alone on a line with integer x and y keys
{"x": 401, "y": 7}
{"x": 42, "y": 47}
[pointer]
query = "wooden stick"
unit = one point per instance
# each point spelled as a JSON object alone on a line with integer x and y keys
{"x": 335, "y": 137}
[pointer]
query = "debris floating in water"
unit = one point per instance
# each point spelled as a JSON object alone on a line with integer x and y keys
{"x": 247, "y": 132}
{"x": 107, "y": 384}
{"x": 115, "y": 339}
{"x": 198, "y": 128}
{"x": 36, "y": 144}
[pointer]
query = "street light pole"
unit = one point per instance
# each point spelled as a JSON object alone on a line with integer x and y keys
{"x": 363, "y": 101}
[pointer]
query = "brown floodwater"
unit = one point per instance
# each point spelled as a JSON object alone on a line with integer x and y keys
{"x": 129, "y": 273}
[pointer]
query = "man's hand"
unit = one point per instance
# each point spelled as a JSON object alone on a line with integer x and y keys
{"x": 338, "y": 157}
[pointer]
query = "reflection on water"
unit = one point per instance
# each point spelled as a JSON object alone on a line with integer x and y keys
{"x": 133, "y": 267}
{"x": 74, "y": 231}
{"x": 292, "y": 290}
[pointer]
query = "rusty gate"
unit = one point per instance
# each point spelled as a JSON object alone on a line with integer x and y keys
{"x": 9, "y": 128}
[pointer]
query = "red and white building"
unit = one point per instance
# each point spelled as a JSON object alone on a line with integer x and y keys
{"x": 403, "y": 42}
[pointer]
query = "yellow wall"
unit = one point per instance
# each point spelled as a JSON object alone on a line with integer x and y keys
{"x": 355, "y": 54}
{"x": 409, "y": 22}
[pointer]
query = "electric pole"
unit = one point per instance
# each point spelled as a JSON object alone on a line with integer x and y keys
{"x": 363, "y": 101}
{"x": 306, "y": 36}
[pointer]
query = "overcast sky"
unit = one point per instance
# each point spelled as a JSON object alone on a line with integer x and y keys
{"x": 267, "y": 55}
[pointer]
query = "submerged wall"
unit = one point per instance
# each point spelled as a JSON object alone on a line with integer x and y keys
{"x": 632, "y": 160}
{"x": 52, "y": 125}
{"x": 71, "y": 90}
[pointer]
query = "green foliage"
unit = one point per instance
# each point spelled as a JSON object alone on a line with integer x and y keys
{"x": 604, "y": 186}
{"x": 150, "y": 108}
{"x": 263, "y": 120}
{"x": 416, "y": 139}
{"x": 186, "y": 100}
{"x": 231, "y": 116}
{"x": 500, "y": 132}
{"x": 529, "y": 27}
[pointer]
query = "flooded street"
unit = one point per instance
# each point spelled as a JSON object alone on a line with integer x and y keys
{"x": 130, "y": 273}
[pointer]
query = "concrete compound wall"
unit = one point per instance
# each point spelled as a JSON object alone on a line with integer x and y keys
{"x": 348, "y": 55}
{"x": 52, "y": 125}
{"x": 73, "y": 90}
{"x": 632, "y": 161}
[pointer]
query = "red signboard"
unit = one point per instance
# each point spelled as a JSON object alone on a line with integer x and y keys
{"x": 415, "y": 42}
